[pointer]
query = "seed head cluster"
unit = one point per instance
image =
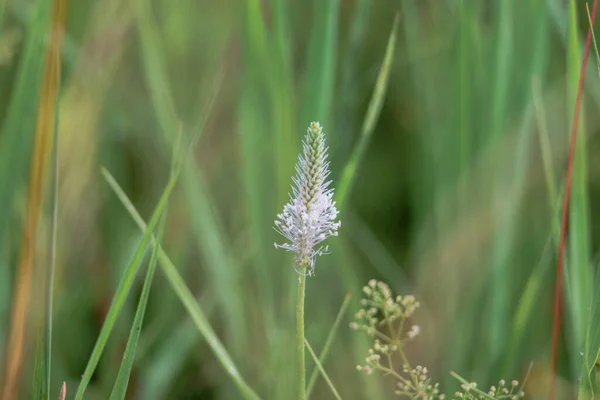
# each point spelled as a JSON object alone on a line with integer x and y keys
{"x": 310, "y": 215}
{"x": 384, "y": 318}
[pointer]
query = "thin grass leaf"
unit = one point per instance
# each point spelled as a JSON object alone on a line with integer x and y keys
{"x": 187, "y": 298}
{"x": 120, "y": 387}
{"x": 40, "y": 389}
{"x": 499, "y": 301}
{"x": 267, "y": 90}
{"x": 464, "y": 83}
{"x": 254, "y": 131}
{"x": 123, "y": 290}
{"x": 321, "y": 57}
{"x": 224, "y": 270}
{"x": 371, "y": 117}
{"x": 349, "y": 276}
{"x": 349, "y": 92}
{"x": 591, "y": 25}
{"x": 512, "y": 184}
{"x": 54, "y": 203}
{"x": 19, "y": 122}
{"x": 320, "y": 368}
{"x": 45, "y": 131}
{"x": 574, "y": 213}
{"x": 587, "y": 386}
{"x": 328, "y": 343}
{"x": 549, "y": 171}
{"x": 128, "y": 277}
{"x": 527, "y": 305}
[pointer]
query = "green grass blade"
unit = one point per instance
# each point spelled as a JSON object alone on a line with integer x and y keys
{"x": 328, "y": 343}
{"x": 154, "y": 69}
{"x": 43, "y": 358}
{"x": 54, "y": 181}
{"x": 321, "y": 63}
{"x": 579, "y": 273}
{"x": 511, "y": 182}
{"x": 40, "y": 389}
{"x": 373, "y": 111}
{"x": 120, "y": 388}
{"x": 320, "y": 368}
{"x": 465, "y": 65}
{"x": 16, "y": 136}
{"x": 253, "y": 131}
{"x": 349, "y": 92}
{"x": 526, "y": 306}
{"x": 43, "y": 361}
{"x": 124, "y": 287}
{"x": 499, "y": 300}
{"x": 587, "y": 9}
{"x": 591, "y": 355}
{"x": 224, "y": 271}
{"x": 187, "y": 298}
{"x": 549, "y": 172}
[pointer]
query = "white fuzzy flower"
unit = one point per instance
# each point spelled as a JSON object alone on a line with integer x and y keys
{"x": 310, "y": 215}
{"x": 414, "y": 331}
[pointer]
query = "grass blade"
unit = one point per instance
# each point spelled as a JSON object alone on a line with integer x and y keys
{"x": 349, "y": 93}
{"x": 591, "y": 25}
{"x": 320, "y": 368}
{"x": 17, "y": 131}
{"x": 187, "y": 298}
{"x": 321, "y": 63}
{"x": 373, "y": 111}
{"x": 123, "y": 290}
{"x": 499, "y": 301}
{"x": 57, "y": 31}
{"x": 45, "y": 132}
{"x": 328, "y": 343}
{"x": 549, "y": 174}
{"x": 120, "y": 388}
{"x": 128, "y": 276}
{"x": 204, "y": 221}
{"x": 40, "y": 389}
{"x": 579, "y": 268}
{"x": 592, "y": 345}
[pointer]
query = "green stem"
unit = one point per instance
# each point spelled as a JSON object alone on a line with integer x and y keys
{"x": 300, "y": 334}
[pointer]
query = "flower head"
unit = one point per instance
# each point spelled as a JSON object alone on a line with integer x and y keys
{"x": 310, "y": 215}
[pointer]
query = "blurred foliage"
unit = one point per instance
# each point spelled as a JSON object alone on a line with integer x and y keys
{"x": 455, "y": 196}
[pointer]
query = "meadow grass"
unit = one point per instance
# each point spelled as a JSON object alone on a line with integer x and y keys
{"x": 448, "y": 131}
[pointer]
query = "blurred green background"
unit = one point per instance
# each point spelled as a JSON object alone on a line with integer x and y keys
{"x": 456, "y": 155}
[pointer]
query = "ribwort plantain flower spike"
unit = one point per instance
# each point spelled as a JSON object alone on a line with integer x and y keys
{"x": 310, "y": 215}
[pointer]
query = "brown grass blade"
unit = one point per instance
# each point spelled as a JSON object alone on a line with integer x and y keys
{"x": 37, "y": 179}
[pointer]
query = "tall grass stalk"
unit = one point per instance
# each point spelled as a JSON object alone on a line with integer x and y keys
{"x": 565, "y": 218}
{"x": 306, "y": 220}
{"x": 300, "y": 334}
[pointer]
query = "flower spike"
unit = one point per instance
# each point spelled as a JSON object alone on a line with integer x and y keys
{"x": 310, "y": 215}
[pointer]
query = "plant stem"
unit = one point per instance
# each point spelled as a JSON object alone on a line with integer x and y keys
{"x": 300, "y": 334}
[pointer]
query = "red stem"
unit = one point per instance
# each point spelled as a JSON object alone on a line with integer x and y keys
{"x": 565, "y": 212}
